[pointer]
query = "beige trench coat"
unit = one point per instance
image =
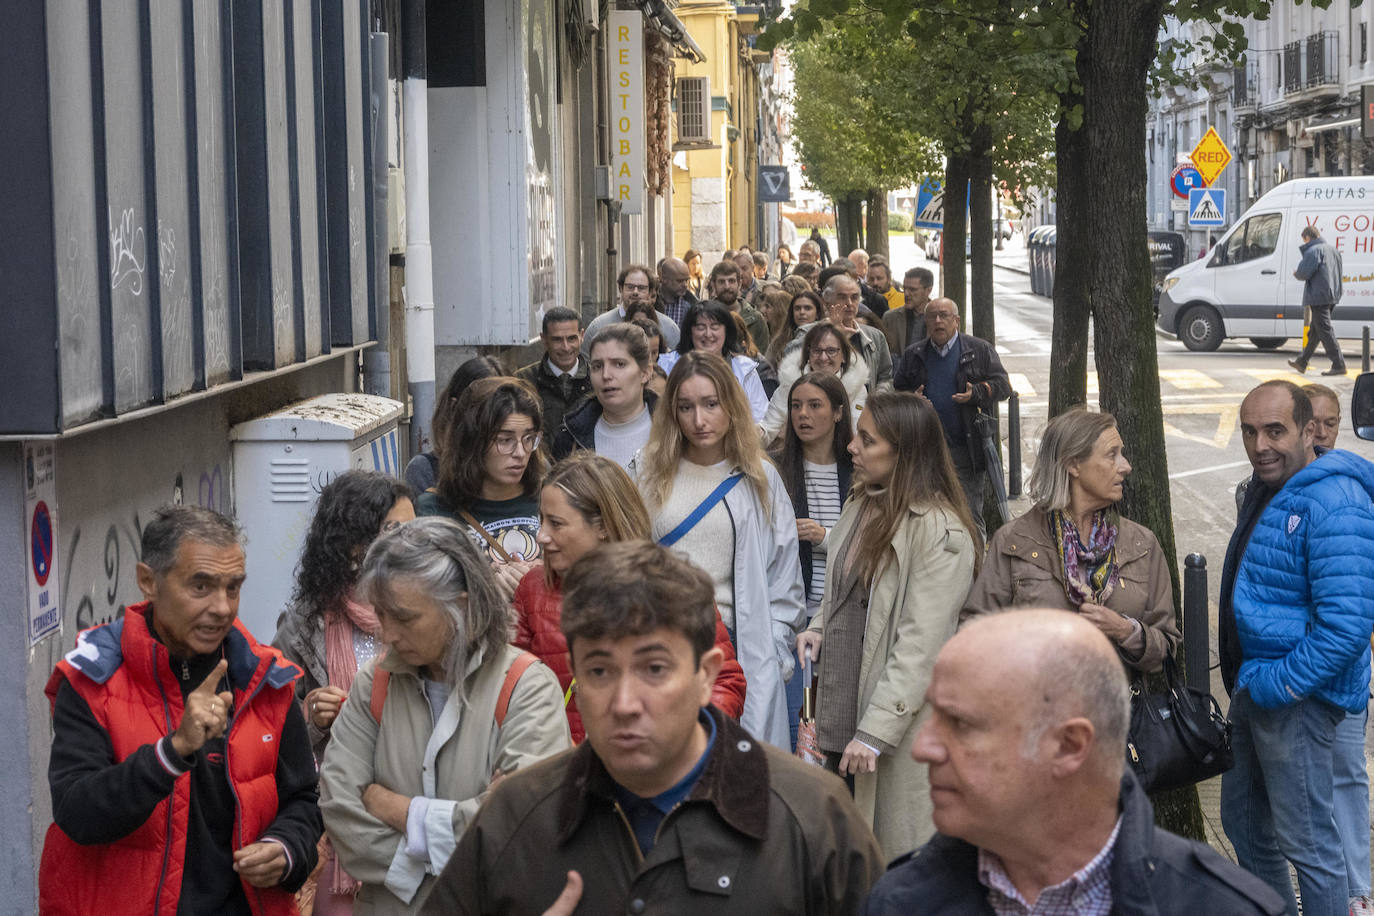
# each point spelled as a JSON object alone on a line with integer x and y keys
{"x": 913, "y": 609}
{"x": 451, "y": 761}
{"x": 1022, "y": 569}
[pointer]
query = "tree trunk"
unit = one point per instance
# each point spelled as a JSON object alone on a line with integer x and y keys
{"x": 1074, "y": 228}
{"x": 848, "y": 219}
{"x": 980, "y": 231}
{"x": 1114, "y": 58}
{"x": 953, "y": 279}
{"x": 876, "y": 241}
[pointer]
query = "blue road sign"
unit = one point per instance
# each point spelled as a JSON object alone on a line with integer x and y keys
{"x": 930, "y": 210}
{"x": 1206, "y": 207}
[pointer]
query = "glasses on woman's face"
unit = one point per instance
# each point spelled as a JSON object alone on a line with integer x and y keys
{"x": 826, "y": 352}
{"x": 506, "y": 444}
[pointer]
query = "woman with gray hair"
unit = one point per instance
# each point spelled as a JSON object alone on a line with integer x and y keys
{"x": 430, "y": 725}
{"x": 1074, "y": 551}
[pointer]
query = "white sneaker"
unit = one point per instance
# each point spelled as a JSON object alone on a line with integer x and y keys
{"x": 1361, "y": 906}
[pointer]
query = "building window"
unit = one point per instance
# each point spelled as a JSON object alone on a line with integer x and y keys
{"x": 694, "y": 109}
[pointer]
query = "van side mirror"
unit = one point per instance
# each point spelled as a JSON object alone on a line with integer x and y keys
{"x": 1362, "y": 406}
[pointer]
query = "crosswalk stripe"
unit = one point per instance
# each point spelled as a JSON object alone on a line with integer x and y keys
{"x": 1268, "y": 375}
{"x": 1021, "y": 385}
{"x": 1188, "y": 379}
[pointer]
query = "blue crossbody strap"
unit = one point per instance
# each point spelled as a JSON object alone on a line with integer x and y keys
{"x": 690, "y": 522}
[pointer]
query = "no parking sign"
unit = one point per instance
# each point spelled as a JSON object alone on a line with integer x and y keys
{"x": 40, "y": 519}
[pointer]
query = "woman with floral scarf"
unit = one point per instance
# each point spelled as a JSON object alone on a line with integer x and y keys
{"x": 1074, "y": 551}
{"x": 328, "y": 633}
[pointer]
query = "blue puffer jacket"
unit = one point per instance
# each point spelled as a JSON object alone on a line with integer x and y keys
{"x": 1304, "y": 594}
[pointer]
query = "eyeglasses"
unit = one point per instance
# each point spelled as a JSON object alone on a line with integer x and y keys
{"x": 635, "y": 288}
{"x": 826, "y": 352}
{"x": 505, "y": 445}
{"x": 940, "y": 316}
{"x": 842, "y": 299}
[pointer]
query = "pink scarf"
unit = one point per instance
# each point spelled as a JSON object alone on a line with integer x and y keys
{"x": 342, "y": 666}
{"x": 339, "y": 660}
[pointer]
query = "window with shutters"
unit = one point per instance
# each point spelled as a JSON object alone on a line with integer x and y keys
{"x": 694, "y": 109}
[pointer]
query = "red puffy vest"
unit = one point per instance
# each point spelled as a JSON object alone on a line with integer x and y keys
{"x": 135, "y": 696}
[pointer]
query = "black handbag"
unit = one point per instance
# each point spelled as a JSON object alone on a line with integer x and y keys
{"x": 1177, "y": 738}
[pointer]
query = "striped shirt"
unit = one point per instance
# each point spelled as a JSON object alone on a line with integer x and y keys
{"x": 823, "y": 501}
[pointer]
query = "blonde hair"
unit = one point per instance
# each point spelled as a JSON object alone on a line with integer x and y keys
{"x": 601, "y": 491}
{"x": 1069, "y": 437}
{"x": 664, "y": 452}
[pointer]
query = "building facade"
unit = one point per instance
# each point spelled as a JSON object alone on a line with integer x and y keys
{"x": 1290, "y": 110}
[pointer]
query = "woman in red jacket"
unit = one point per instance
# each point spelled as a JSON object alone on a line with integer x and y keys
{"x": 587, "y": 499}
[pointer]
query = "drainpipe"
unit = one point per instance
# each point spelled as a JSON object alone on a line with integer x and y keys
{"x": 419, "y": 286}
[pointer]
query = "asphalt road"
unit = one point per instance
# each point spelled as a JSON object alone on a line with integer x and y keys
{"x": 1201, "y": 395}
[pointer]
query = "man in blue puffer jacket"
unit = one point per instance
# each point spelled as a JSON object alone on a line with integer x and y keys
{"x": 1303, "y": 604}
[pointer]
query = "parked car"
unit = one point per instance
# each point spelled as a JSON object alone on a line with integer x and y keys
{"x": 1246, "y": 287}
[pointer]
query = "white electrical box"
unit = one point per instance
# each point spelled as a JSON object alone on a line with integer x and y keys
{"x": 281, "y": 463}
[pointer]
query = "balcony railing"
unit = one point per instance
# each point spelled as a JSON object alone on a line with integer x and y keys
{"x": 1323, "y": 59}
{"x": 1312, "y": 62}
{"x": 1292, "y": 66}
{"x": 1245, "y": 85}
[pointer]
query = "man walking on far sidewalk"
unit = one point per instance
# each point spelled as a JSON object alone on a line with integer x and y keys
{"x": 1320, "y": 271}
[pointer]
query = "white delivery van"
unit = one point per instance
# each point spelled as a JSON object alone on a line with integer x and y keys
{"x": 1245, "y": 286}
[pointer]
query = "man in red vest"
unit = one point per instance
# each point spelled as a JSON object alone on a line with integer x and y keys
{"x": 181, "y": 774}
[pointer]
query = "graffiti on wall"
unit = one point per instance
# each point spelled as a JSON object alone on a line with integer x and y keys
{"x": 100, "y": 573}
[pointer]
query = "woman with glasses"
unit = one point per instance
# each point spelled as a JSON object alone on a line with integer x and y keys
{"x": 899, "y": 563}
{"x": 328, "y": 631}
{"x": 588, "y": 500}
{"x": 710, "y": 328}
{"x": 449, "y": 709}
{"x": 712, "y": 494}
{"x": 489, "y": 473}
{"x": 823, "y": 349}
{"x": 422, "y": 472}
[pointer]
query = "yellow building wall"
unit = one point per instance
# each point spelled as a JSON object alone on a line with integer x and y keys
{"x": 716, "y": 27}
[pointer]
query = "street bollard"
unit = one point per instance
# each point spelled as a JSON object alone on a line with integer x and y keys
{"x": 1364, "y": 360}
{"x": 1014, "y": 446}
{"x": 1196, "y": 643}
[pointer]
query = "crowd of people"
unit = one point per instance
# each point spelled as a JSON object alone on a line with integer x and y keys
{"x": 558, "y": 667}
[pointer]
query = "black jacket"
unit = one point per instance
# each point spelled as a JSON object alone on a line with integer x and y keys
{"x": 1153, "y": 873}
{"x": 979, "y": 365}
{"x": 557, "y": 393}
{"x": 578, "y": 429}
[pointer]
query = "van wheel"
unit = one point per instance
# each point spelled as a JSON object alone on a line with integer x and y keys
{"x": 1268, "y": 343}
{"x": 1199, "y": 327}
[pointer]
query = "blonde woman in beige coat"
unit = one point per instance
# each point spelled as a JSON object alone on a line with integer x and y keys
{"x": 899, "y": 568}
{"x": 1072, "y": 550}
{"x": 398, "y": 790}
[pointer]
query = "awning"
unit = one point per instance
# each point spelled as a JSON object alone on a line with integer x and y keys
{"x": 1339, "y": 121}
{"x": 657, "y": 12}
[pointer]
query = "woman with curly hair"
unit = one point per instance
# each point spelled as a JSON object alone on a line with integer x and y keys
{"x": 327, "y": 631}
{"x": 713, "y": 494}
{"x": 490, "y": 467}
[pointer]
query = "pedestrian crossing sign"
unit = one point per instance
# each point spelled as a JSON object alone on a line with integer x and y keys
{"x": 1206, "y": 207}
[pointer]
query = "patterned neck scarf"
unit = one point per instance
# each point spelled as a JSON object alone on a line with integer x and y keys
{"x": 1089, "y": 569}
